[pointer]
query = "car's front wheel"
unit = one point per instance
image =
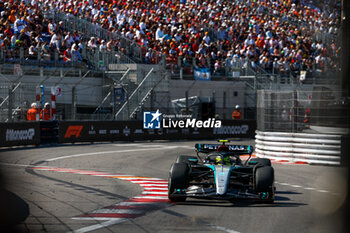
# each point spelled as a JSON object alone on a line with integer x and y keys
{"x": 178, "y": 180}
{"x": 264, "y": 183}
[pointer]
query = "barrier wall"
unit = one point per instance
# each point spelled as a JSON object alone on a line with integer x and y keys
{"x": 35, "y": 133}
{"x": 94, "y": 131}
{"x": 17, "y": 134}
{"x": 299, "y": 147}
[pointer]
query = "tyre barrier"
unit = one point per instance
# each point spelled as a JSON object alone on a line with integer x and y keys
{"x": 299, "y": 147}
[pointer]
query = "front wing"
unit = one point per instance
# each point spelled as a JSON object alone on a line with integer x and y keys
{"x": 210, "y": 193}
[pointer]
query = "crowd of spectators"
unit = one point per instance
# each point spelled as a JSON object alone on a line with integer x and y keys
{"x": 277, "y": 35}
{"x": 24, "y": 27}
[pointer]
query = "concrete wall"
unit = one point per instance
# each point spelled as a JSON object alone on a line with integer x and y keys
{"x": 235, "y": 93}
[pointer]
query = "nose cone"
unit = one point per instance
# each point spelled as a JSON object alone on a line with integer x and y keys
{"x": 222, "y": 175}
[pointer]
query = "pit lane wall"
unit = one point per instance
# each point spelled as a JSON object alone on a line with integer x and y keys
{"x": 325, "y": 149}
{"x": 36, "y": 133}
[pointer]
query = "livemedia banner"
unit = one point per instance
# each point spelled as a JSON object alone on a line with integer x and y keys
{"x": 97, "y": 131}
{"x": 16, "y": 134}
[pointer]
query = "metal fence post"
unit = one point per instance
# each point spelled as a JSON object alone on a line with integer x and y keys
{"x": 10, "y": 103}
{"x": 224, "y": 107}
{"x": 73, "y": 104}
{"x": 21, "y": 55}
{"x": 186, "y": 94}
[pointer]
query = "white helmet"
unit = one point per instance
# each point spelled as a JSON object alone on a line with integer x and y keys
{"x": 47, "y": 104}
{"x": 238, "y": 107}
{"x": 34, "y": 105}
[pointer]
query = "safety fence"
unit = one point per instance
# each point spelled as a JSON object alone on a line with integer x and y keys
{"x": 35, "y": 133}
{"x": 302, "y": 110}
{"x": 299, "y": 147}
{"x": 93, "y": 59}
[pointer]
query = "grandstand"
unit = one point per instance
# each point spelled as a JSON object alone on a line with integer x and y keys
{"x": 153, "y": 49}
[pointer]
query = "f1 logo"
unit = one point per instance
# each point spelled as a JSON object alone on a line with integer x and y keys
{"x": 151, "y": 120}
{"x": 73, "y": 130}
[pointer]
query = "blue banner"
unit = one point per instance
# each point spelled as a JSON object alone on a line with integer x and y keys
{"x": 202, "y": 74}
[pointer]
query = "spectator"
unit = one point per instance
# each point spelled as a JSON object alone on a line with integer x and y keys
{"x": 51, "y": 28}
{"x": 45, "y": 51}
{"x": 67, "y": 55}
{"x": 45, "y": 113}
{"x": 33, "y": 113}
{"x": 236, "y": 114}
{"x": 103, "y": 47}
{"x": 76, "y": 53}
{"x": 92, "y": 43}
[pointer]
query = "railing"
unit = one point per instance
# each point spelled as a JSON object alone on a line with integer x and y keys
{"x": 133, "y": 102}
{"x": 92, "y": 59}
{"x": 139, "y": 96}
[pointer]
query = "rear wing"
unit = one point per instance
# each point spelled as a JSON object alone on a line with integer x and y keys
{"x": 239, "y": 149}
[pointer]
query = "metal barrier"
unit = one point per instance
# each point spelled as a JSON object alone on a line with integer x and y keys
{"x": 299, "y": 147}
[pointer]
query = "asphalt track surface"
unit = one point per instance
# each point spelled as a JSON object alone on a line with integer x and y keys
{"x": 96, "y": 188}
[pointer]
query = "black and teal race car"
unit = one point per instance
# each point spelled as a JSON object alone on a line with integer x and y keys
{"x": 221, "y": 174}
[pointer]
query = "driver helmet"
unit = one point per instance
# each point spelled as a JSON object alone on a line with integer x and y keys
{"x": 47, "y": 105}
{"x": 34, "y": 105}
{"x": 238, "y": 107}
{"x": 224, "y": 161}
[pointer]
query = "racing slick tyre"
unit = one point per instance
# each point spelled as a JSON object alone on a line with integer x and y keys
{"x": 186, "y": 159}
{"x": 178, "y": 179}
{"x": 261, "y": 161}
{"x": 264, "y": 178}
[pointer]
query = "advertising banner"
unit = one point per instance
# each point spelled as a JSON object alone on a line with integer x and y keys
{"x": 16, "y": 134}
{"x": 97, "y": 131}
{"x": 202, "y": 74}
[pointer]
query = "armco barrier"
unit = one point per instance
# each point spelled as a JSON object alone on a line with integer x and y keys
{"x": 299, "y": 147}
{"x": 16, "y": 134}
{"x": 97, "y": 131}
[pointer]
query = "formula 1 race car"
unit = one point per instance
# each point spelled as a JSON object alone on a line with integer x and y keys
{"x": 221, "y": 174}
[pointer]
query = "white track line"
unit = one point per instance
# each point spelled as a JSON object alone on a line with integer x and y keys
{"x": 151, "y": 197}
{"x": 306, "y": 188}
{"x": 100, "y": 225}
{"x": 154, "y": 185}
{"x": 117, "y": 211}
{"x": 146, "y": 188}
{"x": 223, "y": 229}
{"x": 111, "y": 152}
{"x": 166, "y": 193}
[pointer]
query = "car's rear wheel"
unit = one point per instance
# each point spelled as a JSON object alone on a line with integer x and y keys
{"x": 178, "y": 179}
{"x": 187, "y": 159}
{"x": 260, "y": 162}
{"x": 264, "y": 179}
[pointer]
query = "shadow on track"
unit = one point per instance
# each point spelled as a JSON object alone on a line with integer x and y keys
{"x": 287, "y": 192}
{"x": 13, "y": 209}
{"x": 280, "y": 201}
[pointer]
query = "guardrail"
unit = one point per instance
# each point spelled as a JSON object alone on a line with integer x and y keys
{"x": 299, "y": 147}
